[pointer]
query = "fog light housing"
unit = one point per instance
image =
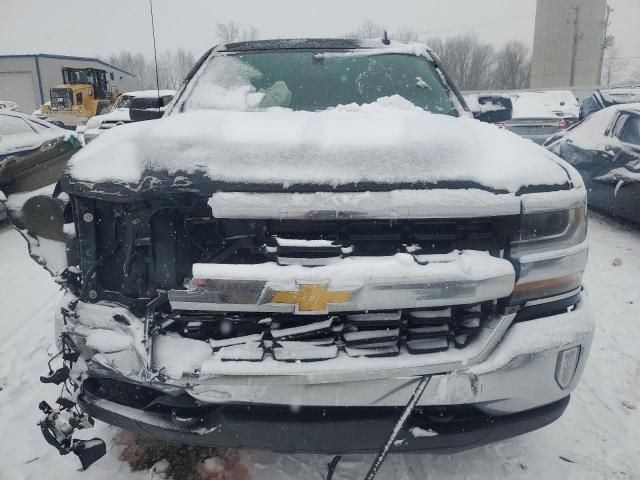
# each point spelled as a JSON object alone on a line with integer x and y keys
{"x": 566, "y": 366}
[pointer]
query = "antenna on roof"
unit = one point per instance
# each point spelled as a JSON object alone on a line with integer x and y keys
{"x": 385, "y": 38}
{"x": 155, "y": 52}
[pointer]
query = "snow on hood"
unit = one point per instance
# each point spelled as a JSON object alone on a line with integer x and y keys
{"x": 117, "y": 115}
{"x": 531, "y": 106}
{"x": 149, "y": 93}
{"x": 380, "y": 143}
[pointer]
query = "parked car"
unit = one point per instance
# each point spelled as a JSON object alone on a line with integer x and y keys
{"x": 539, "y": 115}
{"x": 605, "y": 149}
{"x": 119, "y": 115}
{"x": 315, "y": 232}
{"x": 563, "y": 103}
{"x": 33, "y": 153}
{"x": 603, "y": 98}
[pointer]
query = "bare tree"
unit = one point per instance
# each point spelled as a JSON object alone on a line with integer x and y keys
{"x": 173, "y": 66}
{"x": 512, "y": 66}
{"x": 368, "y": 29}
{"x": 613, "y": 68}
{"x": 136, "y": 64}
{"x": 481, "y": 64}
{"x": 468, "y": 60}
{"x": 250, "y": 33}
{"x": 167, "y": 77}
{"x": 230, "y": 32}
{"x": 405, "y": 35}
{"x": 184, "y": 62}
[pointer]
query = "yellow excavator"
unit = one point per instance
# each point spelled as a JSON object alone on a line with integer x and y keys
{"x": 84, "y": 93}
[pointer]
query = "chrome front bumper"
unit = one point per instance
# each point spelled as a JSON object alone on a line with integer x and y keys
{"x": 501, "y": 373}
{"x": 518, "y": 375}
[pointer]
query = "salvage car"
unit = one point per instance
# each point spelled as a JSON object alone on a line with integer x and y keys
{"x": 607, "y": 97}
{"x": 605, "y": 149}
{"x": 537, "y": 117}
{"x": 120, "y": 113}
{"x": 33, "y": 153}
{"x": 316, "y": 238}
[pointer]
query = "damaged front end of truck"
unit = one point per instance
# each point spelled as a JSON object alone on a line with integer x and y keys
{"x": 305, "y": 280}
{"x": 196, "y": 327}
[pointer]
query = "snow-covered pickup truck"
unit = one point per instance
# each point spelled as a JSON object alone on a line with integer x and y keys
{"x": 315, "y": 229}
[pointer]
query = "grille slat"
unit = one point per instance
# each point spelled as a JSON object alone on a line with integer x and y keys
{"x": 370, "y": 334}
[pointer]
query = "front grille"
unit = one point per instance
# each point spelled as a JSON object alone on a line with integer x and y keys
{"x": 61, "y": 98}
{"x": 287, "y": 338}
{"x": 257, "y": 241}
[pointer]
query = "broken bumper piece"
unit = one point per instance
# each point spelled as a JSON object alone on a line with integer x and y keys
{"x": 327, "y": 430}
{"x": 58, "y": 426}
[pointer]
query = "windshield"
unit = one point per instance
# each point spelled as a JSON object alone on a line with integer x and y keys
{"x": 308, "y": 81}
{"x": 122, "y": 102}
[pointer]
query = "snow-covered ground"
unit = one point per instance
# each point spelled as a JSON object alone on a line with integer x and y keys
{"x": 597, "y": 438}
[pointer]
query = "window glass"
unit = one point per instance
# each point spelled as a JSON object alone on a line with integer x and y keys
{"x": 631, "y": 131}
{"x": 316, "y": 81}
{"x": 617, "y": 128}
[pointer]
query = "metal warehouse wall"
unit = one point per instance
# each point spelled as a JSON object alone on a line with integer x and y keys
{"x": 19, "y": 77}
{"x": 19, "y": 82}
{"x": 553, "y": 45}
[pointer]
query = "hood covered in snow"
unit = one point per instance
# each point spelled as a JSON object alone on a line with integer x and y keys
{"x": 117, "y": 115}
{"x": 350, "y": 148}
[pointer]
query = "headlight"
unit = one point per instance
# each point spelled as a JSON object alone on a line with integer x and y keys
{"x": 550, "y": 254}
{"x": 552, "y": 230}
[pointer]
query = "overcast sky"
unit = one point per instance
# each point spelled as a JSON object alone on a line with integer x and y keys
{"x": 90, "y": 27}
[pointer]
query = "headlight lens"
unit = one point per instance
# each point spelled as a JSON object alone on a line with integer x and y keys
{"x": 552, "y": 230}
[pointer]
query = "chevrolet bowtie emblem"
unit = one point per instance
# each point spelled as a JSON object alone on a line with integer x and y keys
{"x": 311, "y": 298}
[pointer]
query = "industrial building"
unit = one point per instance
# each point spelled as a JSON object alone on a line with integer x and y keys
{"x": 568, "y": 44}
{"x": 27, "y": 79}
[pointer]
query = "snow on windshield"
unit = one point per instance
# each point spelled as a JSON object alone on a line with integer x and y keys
{"x": 302, "y": 80}
{"x": 225, "y": 84}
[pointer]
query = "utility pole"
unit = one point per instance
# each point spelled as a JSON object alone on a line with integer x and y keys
{"x": 605, "y": 43}
{"x": 576, "y": 40}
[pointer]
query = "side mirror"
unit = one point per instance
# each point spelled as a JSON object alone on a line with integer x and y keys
{"x": 40, "y": 220}
{"x": 141, "y": 109}
{"x": 494, "y": 109}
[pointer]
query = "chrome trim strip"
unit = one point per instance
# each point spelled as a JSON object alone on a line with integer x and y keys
{"x": 395, "y": 204}
{"x": 374, "y": 283}
{"x": 555, "y": 298}
{"x": 413, "y": 293}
